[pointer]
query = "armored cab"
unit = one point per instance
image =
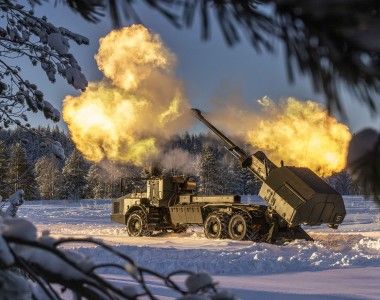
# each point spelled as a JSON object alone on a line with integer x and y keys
{"x": 159, "y": 191}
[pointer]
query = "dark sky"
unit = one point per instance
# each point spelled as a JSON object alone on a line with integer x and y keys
{"x": 209, "y": 69}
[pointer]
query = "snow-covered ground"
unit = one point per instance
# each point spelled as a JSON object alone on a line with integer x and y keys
{"x": 340, "y": 264}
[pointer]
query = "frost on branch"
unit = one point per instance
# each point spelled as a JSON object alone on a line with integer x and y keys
{"x": 24, "y": 35}
{"x": 15, "y": 200}
{"x": 76, "y": 78}
{"x": 41, "y": 262}
{"x": 14, "y": 286}
{"x": 198, "y": 281}
{"x": 50, "y": 112}
{"x": 58, "y": 150}
{"x": 6, "y": 257}
{"x": 57, "y": 42}
{"x": 46, "y": 263}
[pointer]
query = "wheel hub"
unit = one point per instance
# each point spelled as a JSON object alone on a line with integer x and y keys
{"x": 213, "y": 227}
{"x": 239, "y": 228}
{"x": 137, "y": 225}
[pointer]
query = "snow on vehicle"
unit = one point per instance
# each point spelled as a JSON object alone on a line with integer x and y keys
{"x": 294, "y": 196}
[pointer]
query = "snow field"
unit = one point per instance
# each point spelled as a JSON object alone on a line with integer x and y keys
{"x": 340, "y": 264}
{"x": 191, "y": 250}
{"x": 252, "y": 259}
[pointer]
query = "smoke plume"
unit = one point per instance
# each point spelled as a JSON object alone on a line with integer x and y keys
{"x": 178, "y": 161}
{"x": 127, "y": 116}
{"x": 301, "y": 133}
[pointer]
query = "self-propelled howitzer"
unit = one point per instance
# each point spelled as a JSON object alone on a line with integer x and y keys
{"x": 294, "y": 195}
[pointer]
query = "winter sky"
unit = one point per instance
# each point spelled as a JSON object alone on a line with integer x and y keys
{"x": 210, "y": 70}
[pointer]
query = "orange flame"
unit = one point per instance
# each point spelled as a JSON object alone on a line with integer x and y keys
{"x": 301, "y": 133}
{"x": 126, "y": 116}
{"x": 125, "y": 119}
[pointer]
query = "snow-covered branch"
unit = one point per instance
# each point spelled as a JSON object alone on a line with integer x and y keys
{"x": 15, "y": 200}
{"x": 24, "y": 35}
{"x": 46, "y": 262}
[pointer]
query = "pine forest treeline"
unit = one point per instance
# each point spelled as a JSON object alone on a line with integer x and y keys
{"x": 25, "y": 163}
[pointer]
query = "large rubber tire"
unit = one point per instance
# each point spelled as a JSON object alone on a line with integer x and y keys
{"x": 137, "y": 224}
{"x": 240, "y": 227}
{"x": 215, "y": 226}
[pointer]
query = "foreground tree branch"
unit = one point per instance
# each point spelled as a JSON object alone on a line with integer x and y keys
{"x": 45, "y": 263}
{"x": 23, "y": 35}
{"x": 333, "y": 42}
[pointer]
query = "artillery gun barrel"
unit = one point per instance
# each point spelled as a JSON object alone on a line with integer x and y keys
{"x": 297, "y": 195}
{"x": 231, "y": 146}
{"x": 257, "y": 163}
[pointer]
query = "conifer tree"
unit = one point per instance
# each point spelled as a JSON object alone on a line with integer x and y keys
{"x": 343, "y": 183}
{"x": 49, "y": 177}
{"x": 239, "y": 180}
{"x": 251, "y": 185}
{"x": 210, "y": 172}
{"x": 20, "y": 173}
{"x": 95, "y": 186}
{"x": 74, "y": 173}
{"x": 235, "y": 180}
{"x": 3, "y": 167}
